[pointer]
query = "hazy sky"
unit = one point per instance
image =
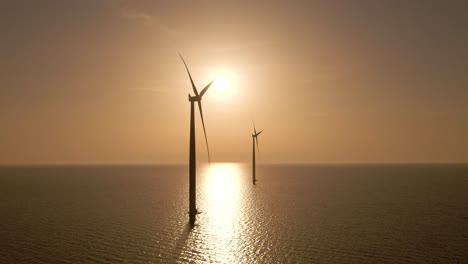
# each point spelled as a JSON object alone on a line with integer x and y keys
{"x": 329, "y": 81}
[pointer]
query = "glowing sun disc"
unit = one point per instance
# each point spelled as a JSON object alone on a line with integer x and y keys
{"x": 222, "y": 83}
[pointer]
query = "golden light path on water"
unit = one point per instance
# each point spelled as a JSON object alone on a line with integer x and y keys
{"x": 217, "y": 234}
{"x": 222, "y": 186}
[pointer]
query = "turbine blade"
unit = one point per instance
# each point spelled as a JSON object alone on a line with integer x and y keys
{"x": 255, "y": 131}
{"x": 259, "y": 133}
{"x": 204, "y": 130}
{"x": 191, "y": 80}
{"x": 258, "y": 149}
{"x": 206, "y": 89}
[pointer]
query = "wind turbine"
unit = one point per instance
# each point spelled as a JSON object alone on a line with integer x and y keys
{"x": 192, "y": 161}
{"x": 254, "y": 140}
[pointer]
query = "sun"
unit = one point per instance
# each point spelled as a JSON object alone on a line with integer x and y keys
{"x": 222, "y": 84}
{"x": 225, "y": 81}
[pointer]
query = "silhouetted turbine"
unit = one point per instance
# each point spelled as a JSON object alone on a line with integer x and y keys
{"x": 254, "y": 141}
{"x": 192, "y": 160}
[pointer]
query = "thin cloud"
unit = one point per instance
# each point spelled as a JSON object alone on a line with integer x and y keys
{"x": 137, "y": 16}
{"x": 148, "y": 20}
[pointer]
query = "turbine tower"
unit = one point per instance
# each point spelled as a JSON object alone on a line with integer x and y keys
{"x": 254, "y": 141}
{"x": 192, "y": 159}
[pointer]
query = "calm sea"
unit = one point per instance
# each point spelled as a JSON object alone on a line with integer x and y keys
{"x": 295, "y": 214}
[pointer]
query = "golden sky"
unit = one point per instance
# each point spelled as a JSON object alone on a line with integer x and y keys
{"x": 92, "y": 82}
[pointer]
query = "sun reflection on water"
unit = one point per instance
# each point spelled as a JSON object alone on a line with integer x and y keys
{"x": 222, "y": 194}
{"x": 216, "y": 234}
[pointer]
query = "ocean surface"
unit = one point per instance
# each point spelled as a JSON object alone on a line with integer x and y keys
{"x": 295, "y": 214}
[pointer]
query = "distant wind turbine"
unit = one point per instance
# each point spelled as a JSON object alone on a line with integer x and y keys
{"x": 254, "y": 141}
{"x": 192, "y": 161}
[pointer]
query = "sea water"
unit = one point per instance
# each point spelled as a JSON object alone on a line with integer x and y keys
{"x": 294, "y": 214}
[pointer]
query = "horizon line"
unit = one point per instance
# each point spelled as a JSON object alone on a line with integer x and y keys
{"x": 220, "y": 162}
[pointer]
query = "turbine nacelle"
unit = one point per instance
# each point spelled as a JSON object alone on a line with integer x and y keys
{"x": 255, "y": 137}
{"x": 196, "y": 98}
